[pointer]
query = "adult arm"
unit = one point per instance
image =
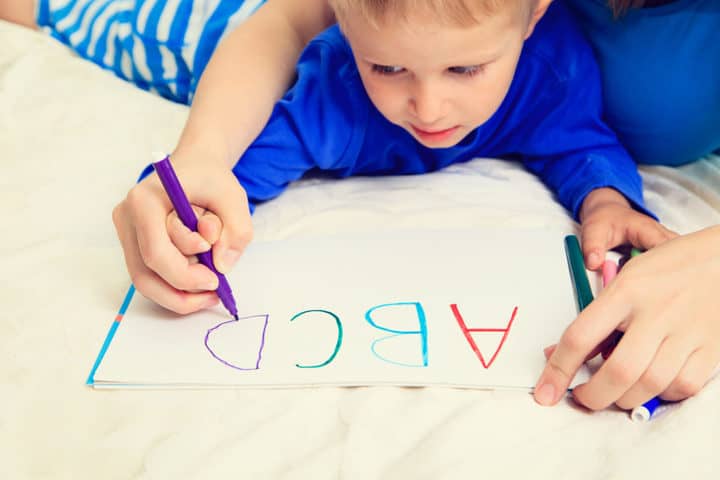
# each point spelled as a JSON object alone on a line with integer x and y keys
{"x": 247, "y": 74}
{"x": 21, "y": 12}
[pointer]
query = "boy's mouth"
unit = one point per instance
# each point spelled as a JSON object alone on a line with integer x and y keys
{"x": 434, "y": 136}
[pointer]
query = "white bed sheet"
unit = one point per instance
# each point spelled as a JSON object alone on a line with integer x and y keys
{"x": 72, "y": 140}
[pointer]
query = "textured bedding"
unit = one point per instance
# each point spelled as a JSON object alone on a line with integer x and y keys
{"x": 72, "y": 141}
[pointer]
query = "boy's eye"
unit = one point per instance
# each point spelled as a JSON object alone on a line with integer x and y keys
{"x": 469, "y": 71}
{"x": 387, "y": 69}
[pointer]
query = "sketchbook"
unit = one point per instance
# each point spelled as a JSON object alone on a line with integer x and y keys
{"x": 467, "y": 308}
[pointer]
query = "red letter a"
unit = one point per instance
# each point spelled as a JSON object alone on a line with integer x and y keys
{"x": 468, "y": 334}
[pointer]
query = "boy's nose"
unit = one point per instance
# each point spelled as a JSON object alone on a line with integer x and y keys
{"x": 427, "y": 106}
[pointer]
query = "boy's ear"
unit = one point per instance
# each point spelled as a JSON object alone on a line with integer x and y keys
{"x": 541, "y": 7}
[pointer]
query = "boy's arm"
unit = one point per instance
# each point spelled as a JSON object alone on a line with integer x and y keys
{"x": 569, "y": 146}
{"x": 317, "y": 125}
{"x": 247, "y": 74}
{"x": 563, "y": 137}
{"x": 576, "y": 153}
{"x": 600, "y": 185}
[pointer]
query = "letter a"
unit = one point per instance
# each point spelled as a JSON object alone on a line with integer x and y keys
{"x": 468, "y": 334}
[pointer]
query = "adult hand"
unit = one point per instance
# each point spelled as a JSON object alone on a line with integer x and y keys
{"x": 667, "y": 302}
{"x": 160, "y": 251}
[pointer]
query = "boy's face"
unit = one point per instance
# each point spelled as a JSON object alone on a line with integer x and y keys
{"x": 439, "y": 82}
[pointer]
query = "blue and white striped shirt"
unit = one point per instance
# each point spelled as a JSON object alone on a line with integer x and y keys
{"x": 159, "y": 45}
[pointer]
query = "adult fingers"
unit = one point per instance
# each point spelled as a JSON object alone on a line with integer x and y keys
{"x": 581, "y": 338}
{"x": 187, "y": 241}
{"x": 693, "y": 376}
{"x": 209, "y": 226}
{"x": 612, "y": 341}
{"x": 232, "y": 209}
{"x": 159, "y": 254}
{"x": 630, "y": 359}
{"x": 147, "y": 282}
{"x": 663, "y": 369}
{"x": 602, "y": 347}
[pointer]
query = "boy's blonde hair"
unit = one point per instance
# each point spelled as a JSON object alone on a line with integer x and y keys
{"x": 463, "y": 13}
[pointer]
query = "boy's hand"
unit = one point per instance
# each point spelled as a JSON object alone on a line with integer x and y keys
{"x": 159, "y": 250}
{"x": 666, "y": 301}
{"x": 608, "y": 220}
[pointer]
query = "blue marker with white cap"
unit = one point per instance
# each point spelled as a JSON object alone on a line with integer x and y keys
{"x": 649, "y": 409}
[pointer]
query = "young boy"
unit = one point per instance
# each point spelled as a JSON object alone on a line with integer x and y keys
{"x": 407, "y": 87}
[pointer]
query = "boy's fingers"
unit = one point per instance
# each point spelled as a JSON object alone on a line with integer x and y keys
{"x": 583, "y": 337}
{"x": 595, "y": 241}
{"x": 647, "y": 238}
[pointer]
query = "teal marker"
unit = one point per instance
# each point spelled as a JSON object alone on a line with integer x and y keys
{"x": 578, "y": 275}
{"x": 634, "y": 252}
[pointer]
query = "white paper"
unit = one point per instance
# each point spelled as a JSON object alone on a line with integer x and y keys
{"x": 363, "y": 310}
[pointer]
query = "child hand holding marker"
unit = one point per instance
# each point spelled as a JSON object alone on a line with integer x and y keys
{"x": 666, "y": 302}
{"x": 608, "y": 220}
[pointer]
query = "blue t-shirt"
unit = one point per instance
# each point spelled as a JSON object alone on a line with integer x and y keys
{"x": 551, "y": 120}
{"x": 661, "y": 76}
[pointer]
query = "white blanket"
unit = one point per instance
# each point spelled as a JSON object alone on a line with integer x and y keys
{"x": 72, "y": 141}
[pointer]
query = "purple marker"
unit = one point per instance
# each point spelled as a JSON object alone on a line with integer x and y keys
{"x": 182, "y": 206}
